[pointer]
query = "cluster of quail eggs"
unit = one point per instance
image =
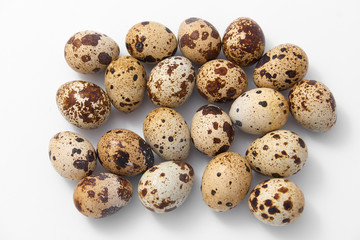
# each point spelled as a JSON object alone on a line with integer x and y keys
{"x": 262, "y": 111}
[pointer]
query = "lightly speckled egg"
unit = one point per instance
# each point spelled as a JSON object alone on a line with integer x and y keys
{"x": 243, "y": 42}
{"x": 277, "y": 202}
{"x": 211, "y": 130}
{"x": 125, "y": 83}
{"x": 221, "y": 80}
{"x": 259, "y": 111}
{"x": 83, "y": 104}
{"x": 280, "y": 153}
{"x": 166, "y": 186}
{"x": 90, "y": 52}
{"x": 150, "y": 42}
{"x": 101, "y": 195}
{"x": 199, "y": 40}
{"x": 313, "y": 105}
{"x": 125, "y": 153}
{"x": 72, "y": 155}
{"x": 281, "y": 67}
{"x": 226, "y": 181}
{"x": 166, "y": 131}
{"x": 171, "y": 82}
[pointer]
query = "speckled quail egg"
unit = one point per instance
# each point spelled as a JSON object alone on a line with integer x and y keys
{"x": 313, "y": 105}
{"x": 150, "y": 42}
{"x": 243, "y": 42}
{"x": 211, "y": 130}
{"x": 259, "y": 111}
{"x": 171, "y": 82}
{"x": 90, "y": 52}
{"x": 221, "y": 80}
{"x": 199, "y": 40}
{"x": 166, "y": 186}
{"x": 277, "y": 202}
{"x": 102, "y": 195}
{"x": 280, "y": 153}
{"x": 125, "y": 83}
{"x": 166, "y": 131}
{"x": 281, "y": 67}
{"x": 125, "y": 153}
{"x": 72, "y": 155}
{"x": 83, "y": 104}
{"x": 226, "y": 181}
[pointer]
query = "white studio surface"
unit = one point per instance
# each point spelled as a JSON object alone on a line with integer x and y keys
{"x": 36, "y": 203}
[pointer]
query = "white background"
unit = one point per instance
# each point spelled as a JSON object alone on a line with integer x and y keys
{"x": 36, "y": 203}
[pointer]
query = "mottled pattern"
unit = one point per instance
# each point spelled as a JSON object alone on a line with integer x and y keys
{"x": 102, "y": 195}
{"x": 276, "y": 202}
{"x": 226, "y": 181}
{"x": 243, "y": 42}
{"x": 90, "y": 52}
{"x": 166, "y": 186}
{"x": 171, "y": 82}
{"x": 279, "y": 153}
{"x": 125, "y": 83}
{"x": 313, "y": 105}
{"x": 221, "y": 80}
{"x": 259, "y": 111}
{"x": 166, "y": 131}
{"x": 83, "y": 104}
{"x": 199, "y": 40}
{"x": 125, "y": 153}
{"x": 281, "y": 67}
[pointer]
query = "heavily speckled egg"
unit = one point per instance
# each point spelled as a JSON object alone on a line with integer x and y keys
{"x": 277, "y": 202}
{"x": 171, "y": 82}
{"x": 259, "y": 111}
{"x": 243, "y": 42}
{"x": 72, "y": 155}
{"x": 90, "y": 52}
{"x": 150, "y": 42}
{"x": 102, "y": 195}
{"x": 313, "y": 105}
{"x": 226, "y": 181}
{"x": 125, "y": 83}
{"x": 83, "y": 104}
{"x": 166, "y": 131}
{"x": 221, "y": 80}
{"x": 199, "y": 40}
{"x": 281, "y": 67}
{"x": 125, "y": 153}
{"x": 166, "y": 186}
{"x": 280, "y": 153}
{"x": 211, "y": 130}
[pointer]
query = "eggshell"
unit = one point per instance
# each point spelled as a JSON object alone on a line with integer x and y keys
{"x": 90, "y": 52}
{"x": 243, "y": 42}
{"x": 226, "y": 181}
{"x": 259, "y": 111}
{"x": 279, "y": 153}
{"x": 211, "y": 130}
{"x": 313, "y": 105}
{"x": 102, "y": 195}
{"x": 199, "y": 40}
{"x": 125, "y": 83}
{"x": 221, "y": 81}
{"x": 171, "y": 82}
{"x": 72, "y": 155}
{"x": 150, "y": 42}
{"x": 83, "y": 104}
{"x": 166, "y": 186}
{"x": 281, "y": 67}
{"x": 166, "y": 131}
{"x": 125, "y": 153}
{"x": 277, "y": 202}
